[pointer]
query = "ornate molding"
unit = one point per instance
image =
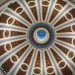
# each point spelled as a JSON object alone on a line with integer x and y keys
{"x": 5, "y": 3}
{"x": 71, "y": 2}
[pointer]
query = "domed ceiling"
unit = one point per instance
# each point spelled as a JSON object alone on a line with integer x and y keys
{"x": 37, "y": 37}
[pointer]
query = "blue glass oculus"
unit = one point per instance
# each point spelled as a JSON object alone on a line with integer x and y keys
{"x": 44, "y": 32}
{"x": 41, "y": 34}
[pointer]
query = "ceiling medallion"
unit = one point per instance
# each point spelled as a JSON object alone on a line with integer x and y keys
{"x": 41, "y": 35}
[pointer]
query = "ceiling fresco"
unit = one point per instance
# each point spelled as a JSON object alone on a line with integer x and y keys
{"x": 37, "y": 37}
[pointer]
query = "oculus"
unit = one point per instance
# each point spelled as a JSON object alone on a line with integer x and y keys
{"x": 41, "y": 35}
